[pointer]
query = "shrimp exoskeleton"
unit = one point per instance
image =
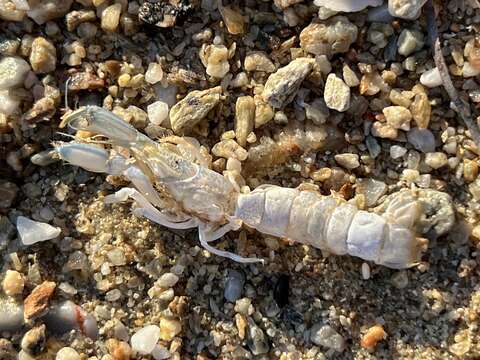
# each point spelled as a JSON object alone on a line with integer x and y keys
{"x": 174, "y": 190}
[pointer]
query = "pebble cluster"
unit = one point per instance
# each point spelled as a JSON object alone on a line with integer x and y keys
{"x": 340, "y": 96}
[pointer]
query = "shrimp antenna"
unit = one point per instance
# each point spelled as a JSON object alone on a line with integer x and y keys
{"x": 66, "y": 91}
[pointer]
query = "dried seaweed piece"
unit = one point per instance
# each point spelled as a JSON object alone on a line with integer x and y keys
{"x": 457, "y": 104}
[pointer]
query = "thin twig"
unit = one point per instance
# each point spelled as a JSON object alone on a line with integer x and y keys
{"x": 457, "y": 104}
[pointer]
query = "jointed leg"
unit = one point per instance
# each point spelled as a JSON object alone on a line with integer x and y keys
{"x": 148, "y": 210}
{"x": 206, "y": 237}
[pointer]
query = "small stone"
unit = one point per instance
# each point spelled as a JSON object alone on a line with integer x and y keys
{"x": 85, "y": 81}
{"x": 469, "y": 71}
{"x": 398, "y": 117}
{"x": 13, "y": 283}
{"x": 34, "y": 340}
{"x": 31, "y": 231}
{"x": 317, "y": 111}
{"x": 400, "y": 279}
{"x": 436, "y": 160}
{"x": 372, "y": 83}
{"x": 11, "y": 315}
{"x": 189, "y": 111}
{"x": 10, "y": 12}
{"x": 325, "y": 335}
{"x": 66, "y": 316}
{"x": 145, "y": 339}
{"x": 400, "y": 98}
{"x": 234, "y": 286}
{"x": 111, "y": 17}
{"x": 336, "y": 94}
{"x": 233, "y": 19}
{"x": 13, "y": 71}
{"x": 43, "y": 56}
{"x": 169, "y": 328}
{"x": 373, "y": 335}
{"x": 421, "y": 139}
{"x": 349, "y": 76}
{"x": 157, "y": 112}
{"x": 258, "y": 61}
{"x": 120, "y": 350}
{"x": 397, "y": 151}
{"x": 228, "y": 149}
{"x": 263, "y": 112}
{"x": 348, "y": 161}
{"x": 36, "y": 303}
{"x": 282, "y": 86}
{"x": 67, "y": 353}
{"x": 244, "y": 118}
{"x": 409, "y": 42}
{"x": 7, "y": 351}
{"x": 406, "y": 9}
{"x": 372, "y": 189}
{"x": 154, "y": 73}
{"x": 431, "y": 78}
{"x": 421, "y": 110}
{"x": 167, "y": 280}
{"x": 330, "y": 37}
{"x": 8, "y": 193}
{"x": 160, "y": 353}
{"x": 348, "y": 6}
{"x": 7, "y": 231}
{"x": 75, "y": 18}
{"x": 470, "y": 170}
{"x": 383, "y": 130}
{"x": 257, "y": 342}
{"x": 46, "y": 10}
{"x": 8, "y": 104}
{"x": 241, "y": 325}
{"x": 366, "y": 273}
{"x": 243, "y": 306}
{"x": 215, "y": 59}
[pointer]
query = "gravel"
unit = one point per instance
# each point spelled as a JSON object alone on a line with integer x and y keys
{"x": 285, "y": 93}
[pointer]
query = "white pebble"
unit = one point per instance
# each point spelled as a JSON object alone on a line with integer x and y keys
{"x": 154, "y": 73}
{"x": 8, "y": 104}
{"x": 431, "y": 78}
{"x": 365, "y": 271}
{"x": 336, "y": 94}
{"x": 160, "y": 353}
{"x": 31, "y": 231}
{"x": 347, "y": 5}
{"x": 167, "y": 280}
{"x": 469, "y": 70}
{"x": 67, "y": 353}
{"x": 397, "y": 151}
{"x": 157, "y": 112}
{"x": 13, "y": 71}
{"x": 145, "y": 339}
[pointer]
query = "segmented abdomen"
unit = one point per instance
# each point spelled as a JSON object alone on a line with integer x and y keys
{"x": 328, "y": 223}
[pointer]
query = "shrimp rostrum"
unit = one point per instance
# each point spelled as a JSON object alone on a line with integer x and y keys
{"x": 173, "y": 186}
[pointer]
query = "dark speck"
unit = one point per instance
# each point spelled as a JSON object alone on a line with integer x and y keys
{"x": 281, "y": 289}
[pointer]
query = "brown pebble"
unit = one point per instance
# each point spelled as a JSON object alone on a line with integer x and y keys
{"x": 120, "y": 350}
{"x": 373, "y": 336}
{"x": 37, "y": 302}
{"x": 85, "y": 81}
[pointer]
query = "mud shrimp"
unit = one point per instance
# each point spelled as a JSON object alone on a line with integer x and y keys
{"x": 173, "y": 186}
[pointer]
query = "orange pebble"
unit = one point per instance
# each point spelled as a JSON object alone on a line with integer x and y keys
{"x": 373, "y": 336}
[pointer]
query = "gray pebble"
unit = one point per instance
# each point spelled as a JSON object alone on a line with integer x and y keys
{"x": 234, "y": 286}
{"x": 257, "y": 343}
{"x": 325, "y": 335}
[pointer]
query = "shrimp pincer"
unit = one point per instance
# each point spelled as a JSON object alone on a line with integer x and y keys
{"x": 172, "y": 186}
